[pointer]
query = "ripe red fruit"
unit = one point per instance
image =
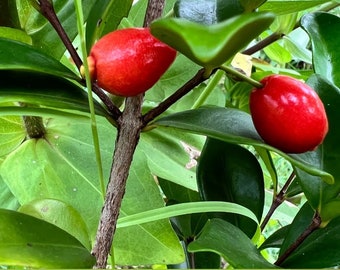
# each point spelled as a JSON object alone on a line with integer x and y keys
{"x": 129, "y": 61}
{"x": 288, "y": 114}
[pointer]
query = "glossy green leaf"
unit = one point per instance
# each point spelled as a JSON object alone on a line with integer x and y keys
{"x": 231, "y": 243}
{"x": 30, "y": 242}
{"x": 330, "y": 210}
{"x": 183, "y": 209}
{"x": 228, "y": 172}
{"x": 276, "y": 51}
{"x": 289, "y": 6}
{"x": 105, "y": 17}
{"x": 43, "y": 90}
{"x": 61, "y": 215}
{"x": 326, "y": 158}
{"x": 211, "y": 46}
{"x": 276, "y": 239}
{"x": 232, "y": 126}
{"x": 185, "y": 226}
{"x": 207, "y": 11}
{"x": 300, "y": 223}
{"x": 15, "y": 55}
{"x": 324, "y": 31}
{"x": 251, "y": 5}
{"x": 15, "y": 34}
{"x": 319, "y": 250}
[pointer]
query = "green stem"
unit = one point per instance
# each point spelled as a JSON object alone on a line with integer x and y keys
{"x": 241, "y": 76}
{"x": 208, "y": 89}
{"x": 80, "y": 24}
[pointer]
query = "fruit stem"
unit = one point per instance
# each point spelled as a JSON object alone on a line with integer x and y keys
{"x": 94, "y": 128}
{"x": 241, "y": 76}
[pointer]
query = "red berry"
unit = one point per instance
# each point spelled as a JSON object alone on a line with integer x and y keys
{"x": 288, "y": 114}
{"x": 129, "y": 61}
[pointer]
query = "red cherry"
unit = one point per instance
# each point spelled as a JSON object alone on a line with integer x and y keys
{"x": 288, "y": 114}
{"x": 129, "y": 61}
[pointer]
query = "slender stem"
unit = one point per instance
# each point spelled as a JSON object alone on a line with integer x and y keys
{"x": 263, "y": 43}
{"x": 241, "y": 76}
{"x": 315, "y": 224}
{"x": 186, "y": 88}
{"x": 47, "y": 10}
{"x": 277, "y": 201}
{"x": 94, "y": 129}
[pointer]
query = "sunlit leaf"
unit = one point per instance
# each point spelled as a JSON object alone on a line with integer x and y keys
{"x": 236, "y": 248}
{"x": 210, "y": 46}
{"x": 30, "y": 242}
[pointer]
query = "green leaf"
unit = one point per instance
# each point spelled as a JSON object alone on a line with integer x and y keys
{"x": 321, "y": 248}
{"x": 15, "y": 55}
{"x": 61, "y": 166}
{"x": 327, "y": 157}
{"x": 277, "y": 52}
{"x": 147, "y": 242}
{"x": 186, "y": 226}
{"x": 7, "y": 199}
{"x": 276, "y": 239}
{"x": 324, "y": 31}
{"x": 105, "y": 17}
{"x": 43, "y": 90}
{"x": 183, "y": 209}
{"x": 168, "y": 151}
{"x": 30, "y": 242}
{"x": 236, "y": 248}
{"x": 228, "y": 172}
{"x": 12, "y": 134}
{"x": 289, "y": 6}
{"x": 61, "y": 215}
{"x": 300, "y": 223}
{"x": 15, "y": 34}
{"x": 211, "y": 46}
{"x": 330, "y": 210}
{"x": 234, "y": 126}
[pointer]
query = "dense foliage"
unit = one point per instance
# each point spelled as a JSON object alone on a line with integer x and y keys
{"x": 203, "y": 188}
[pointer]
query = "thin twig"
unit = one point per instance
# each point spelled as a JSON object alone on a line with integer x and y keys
{"x": 315, "y": 224}
{"x": 186, "y": 88}
{"x": 278, "y": 200}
